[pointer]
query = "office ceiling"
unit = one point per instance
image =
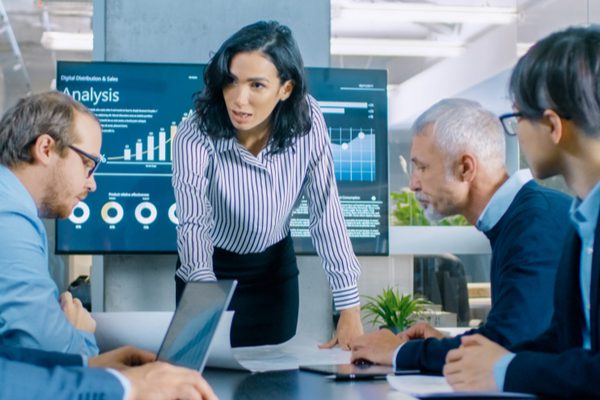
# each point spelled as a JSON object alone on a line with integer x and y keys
{"x": 381, "y": 19}
{"x": 30, "y": 18}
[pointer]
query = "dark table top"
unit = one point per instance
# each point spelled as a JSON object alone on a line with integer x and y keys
{"x": 294, "y": 384}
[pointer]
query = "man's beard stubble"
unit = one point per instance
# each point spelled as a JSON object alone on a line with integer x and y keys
{"x": 50, "y": 206}
{"x": 430, "y": 212}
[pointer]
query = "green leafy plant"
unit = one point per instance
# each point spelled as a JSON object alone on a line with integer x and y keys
{"x": 408, "y": 211}
{"x": 454, "y": 220}
{"x": 393, "y": 310}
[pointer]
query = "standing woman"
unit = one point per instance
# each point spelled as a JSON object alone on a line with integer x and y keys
{"x": 256, "y": 143}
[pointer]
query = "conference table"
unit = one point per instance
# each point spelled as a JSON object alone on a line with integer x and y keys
{"x": 301, "y": 385}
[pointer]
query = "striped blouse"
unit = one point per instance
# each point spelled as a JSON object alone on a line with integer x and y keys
{"x": 228, "y": 198}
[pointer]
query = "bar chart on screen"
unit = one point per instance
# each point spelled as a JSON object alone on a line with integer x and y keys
{"x": 152, "y": 150}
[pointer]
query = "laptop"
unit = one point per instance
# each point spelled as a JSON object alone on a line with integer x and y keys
{"x": 194, "y": 323}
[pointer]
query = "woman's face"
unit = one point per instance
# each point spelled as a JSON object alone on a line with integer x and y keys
{"x": 253, "y": 91}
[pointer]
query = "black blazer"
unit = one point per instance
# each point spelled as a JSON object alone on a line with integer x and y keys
{"x": 555, "y": 364}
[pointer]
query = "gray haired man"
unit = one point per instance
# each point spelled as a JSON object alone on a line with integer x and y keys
{"x": 458, "y": 154}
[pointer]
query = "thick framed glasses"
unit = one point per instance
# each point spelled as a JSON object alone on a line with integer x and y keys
{"x": 510, "y": 121}
{"x": 96, "y": 160}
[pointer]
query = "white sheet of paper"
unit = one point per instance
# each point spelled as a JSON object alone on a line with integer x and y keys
{"x": 416, "y": 385}
{"x": 288, "y": 355}
{"x": 436, "y": 386}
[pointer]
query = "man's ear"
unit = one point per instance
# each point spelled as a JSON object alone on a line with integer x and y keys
{"x": 42, "y": 149}
{"x": 467, "y": 167}
{"x": 555, "y": 124}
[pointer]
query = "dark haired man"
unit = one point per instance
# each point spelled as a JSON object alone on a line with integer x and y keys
{"x": 557, "y": 119}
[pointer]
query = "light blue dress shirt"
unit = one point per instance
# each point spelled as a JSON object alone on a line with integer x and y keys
{"x": 122, "y": 379}
{"x": 124, "y": 382}
{"x": 584, "y": 216}
{"x": 30, "y": 313}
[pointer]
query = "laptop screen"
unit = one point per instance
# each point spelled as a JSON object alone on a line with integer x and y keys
{"x": 194, "y": 323}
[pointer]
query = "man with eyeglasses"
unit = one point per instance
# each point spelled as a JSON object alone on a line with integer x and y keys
{"x": 458, "y": 156}
{"x": 49, "y": 151}
{"x": 555, "y": 89}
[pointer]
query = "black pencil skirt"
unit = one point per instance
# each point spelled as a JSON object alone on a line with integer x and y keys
{"x": 266, "y": 298}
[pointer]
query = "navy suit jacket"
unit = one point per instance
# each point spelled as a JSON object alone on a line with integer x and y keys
{"x": 525, "y": 257}
{"x": 34, "y": 374}
{"x": 555, "y": 363}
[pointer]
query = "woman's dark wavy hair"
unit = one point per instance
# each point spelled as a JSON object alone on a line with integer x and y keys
{"x": 290, "y": 118}
{"x": 561, "y": 72}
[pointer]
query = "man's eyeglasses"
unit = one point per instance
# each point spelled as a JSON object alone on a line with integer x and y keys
{"x": 94, "y": 159}
{"x": 510, "y": 121}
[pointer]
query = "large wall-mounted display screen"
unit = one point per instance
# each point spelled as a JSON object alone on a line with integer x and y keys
{"x": 140, "y": 105}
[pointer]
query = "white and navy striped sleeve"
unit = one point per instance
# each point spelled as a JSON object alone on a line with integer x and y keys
{"x": 191, "y": 158}
{"x": 327, "y": 226}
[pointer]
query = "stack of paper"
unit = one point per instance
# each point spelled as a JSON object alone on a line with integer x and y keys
{"x": 418, "y": 385}
{"x": 436, "y": 387}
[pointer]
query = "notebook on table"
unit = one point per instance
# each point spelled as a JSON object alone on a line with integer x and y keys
{"x": 357, "y": 371}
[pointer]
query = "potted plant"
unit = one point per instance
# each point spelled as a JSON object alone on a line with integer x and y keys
{"x": 393, "y": 310}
